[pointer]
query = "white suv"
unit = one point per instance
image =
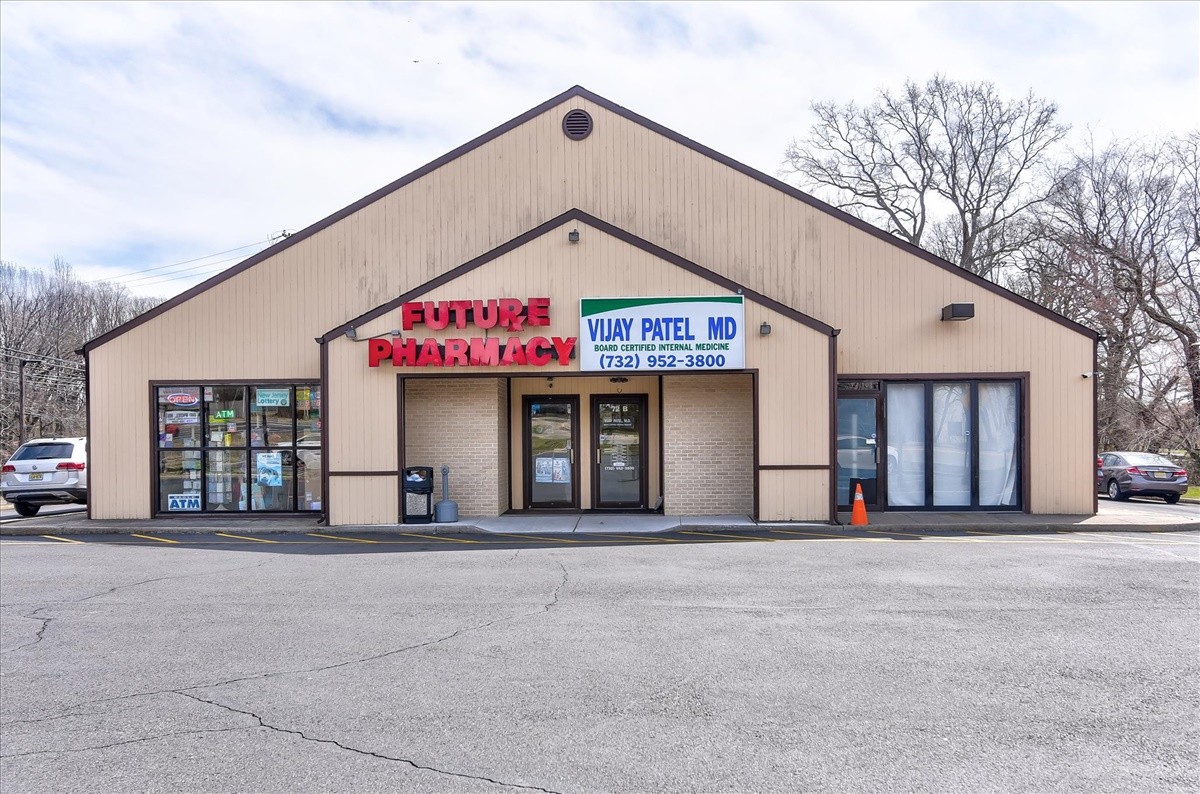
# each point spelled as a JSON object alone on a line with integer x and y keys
{"x": 46, "y": 471}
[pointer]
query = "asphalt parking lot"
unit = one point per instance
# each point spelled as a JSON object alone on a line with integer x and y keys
{"x": 700, "y": 661}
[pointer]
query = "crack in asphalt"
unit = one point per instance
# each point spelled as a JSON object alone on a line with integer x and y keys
{"x": 70, "y": 711}
{"x": 554, "y": 596}
{"x": 38, "y": 635}
{"x": 127, "y": 741}
{"x": 369, "y": 753}
{"x": 46, "y": 621}
{"x": 169, "y": 578}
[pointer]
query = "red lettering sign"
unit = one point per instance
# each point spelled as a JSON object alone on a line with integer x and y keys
{"x": 507, "y": 313}
{"x": 474, "y": 352}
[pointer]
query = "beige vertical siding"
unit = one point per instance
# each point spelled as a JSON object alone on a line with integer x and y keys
{"x": 708, "y": 440}
{"x": 794, "y": 495}
{"x": 363, "y": 500}
{"x": 261, "y": 323}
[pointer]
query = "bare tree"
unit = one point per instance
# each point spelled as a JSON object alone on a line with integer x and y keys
{"x": 952, "y": 167}
{"x": 1125, "y": 223}
{"x": 44, "y": 317}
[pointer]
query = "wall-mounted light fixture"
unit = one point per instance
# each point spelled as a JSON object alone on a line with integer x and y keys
{"x": 351, "y": 333}
{"x": 958, "y": 311}
{"x": 573, "y": 235}
{"x": 764, "y": 329}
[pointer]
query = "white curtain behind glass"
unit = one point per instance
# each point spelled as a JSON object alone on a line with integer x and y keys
{"x": 952, "y": 444}
{"x": 906, "y": 444}
{"x": 997, "y": 444}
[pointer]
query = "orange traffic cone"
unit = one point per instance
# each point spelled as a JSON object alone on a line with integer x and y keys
{"x": 858, "y": 516}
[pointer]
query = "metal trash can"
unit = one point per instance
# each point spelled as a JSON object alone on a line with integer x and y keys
{"x": 418, "y": 495}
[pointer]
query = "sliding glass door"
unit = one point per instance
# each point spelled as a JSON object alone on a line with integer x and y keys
{"x": 998, "y": 445}
{"x": 953, "y": 445}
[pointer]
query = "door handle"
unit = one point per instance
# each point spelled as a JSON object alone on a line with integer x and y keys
{"x": 597, "y": 457}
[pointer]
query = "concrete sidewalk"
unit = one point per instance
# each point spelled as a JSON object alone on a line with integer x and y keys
{"x": 1123, "y": 517}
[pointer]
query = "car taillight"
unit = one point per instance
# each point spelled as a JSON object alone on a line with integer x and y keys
{"x": 1134, "y": 470}
{"x": 1180, "y": 473}
{"x": 7, "y": 469}
{"x": 67, "y": 465}
{"x": 1099, "y": 463}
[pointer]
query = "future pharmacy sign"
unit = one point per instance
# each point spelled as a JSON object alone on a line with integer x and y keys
{"x": 629, "y": 334}
{"x": 671, "y": 333}
{"x": 498, "y": 314}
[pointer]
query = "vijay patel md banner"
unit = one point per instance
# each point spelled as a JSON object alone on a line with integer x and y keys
{"x": 677, "y": 334}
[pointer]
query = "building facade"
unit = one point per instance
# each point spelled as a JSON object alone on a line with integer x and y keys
{"x": 583, "y": 310}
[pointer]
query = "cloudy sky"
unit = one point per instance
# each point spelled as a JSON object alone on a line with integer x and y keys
{"x": 139, "y": 140}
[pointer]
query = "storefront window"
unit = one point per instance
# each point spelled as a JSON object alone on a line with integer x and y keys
{"x": 179, "y": 481}
{"x": 273, "y": 488}
{"x": 906, "y": 444}
{"x": 308, "y": 416}
{"x": 950, "y": 445}
{"x": 225, "y": 480}
{"x": 179, "y": 422}
{"x": 225, "y": 416}
{"x": 308, "y": 478}
{"x": 272, "y": 419}
{"x": 239, "y": 448}
{"x": 997, "y": 444}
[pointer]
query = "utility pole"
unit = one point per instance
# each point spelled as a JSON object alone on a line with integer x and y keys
{"x": 21, "y": 399}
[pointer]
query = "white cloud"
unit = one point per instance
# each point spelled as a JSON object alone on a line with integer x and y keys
{"x": 137, "y": 135}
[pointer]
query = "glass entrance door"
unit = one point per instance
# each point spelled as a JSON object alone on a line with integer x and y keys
{"x": 619, "y": 443}
{"x": 858, "y": 448}
{"x": 551, "y": 438}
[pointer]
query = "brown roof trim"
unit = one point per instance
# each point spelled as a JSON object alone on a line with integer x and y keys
{"x": 579, "y": 91}
{"x": 614, "y": 231}
{"x": 320, "y": 225}
{"x": 842, "y": 215}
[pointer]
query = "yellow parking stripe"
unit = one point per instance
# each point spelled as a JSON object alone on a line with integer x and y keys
{"x": 151, "y": 537}
{"x": 721, "y": 535}
{"x": 648, "y": 538}
{"x": 806, "y": 534}
{"x": 1037, "y": 535}
{"x": 63, "y": 540}
{"x": 536, "y": 537}
{"x": 439, "y": 537}
{"x": 245, "y": 537}
{"x": 1133, "y": 538}
{"x": 339, "y": 537}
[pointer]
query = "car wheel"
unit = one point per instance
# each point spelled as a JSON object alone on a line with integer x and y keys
{"x": 29, "y": 511}
{"x": 1114, "y": 491}
{"x": 1171, "y": 498}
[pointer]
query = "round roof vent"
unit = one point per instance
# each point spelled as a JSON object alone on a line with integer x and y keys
{"x": 577, "y": 124}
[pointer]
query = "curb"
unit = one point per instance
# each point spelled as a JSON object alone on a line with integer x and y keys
{"x": 126, "y": 528}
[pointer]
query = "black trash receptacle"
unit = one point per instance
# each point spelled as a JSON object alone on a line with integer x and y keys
{"x": 418, "y": 495}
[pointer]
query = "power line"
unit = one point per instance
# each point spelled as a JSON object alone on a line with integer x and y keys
{"x": 204, "y": 270}
{"x": 19, "y": 354}
{"x": 163, "y": 277}
{"x": 187, "y": 261}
